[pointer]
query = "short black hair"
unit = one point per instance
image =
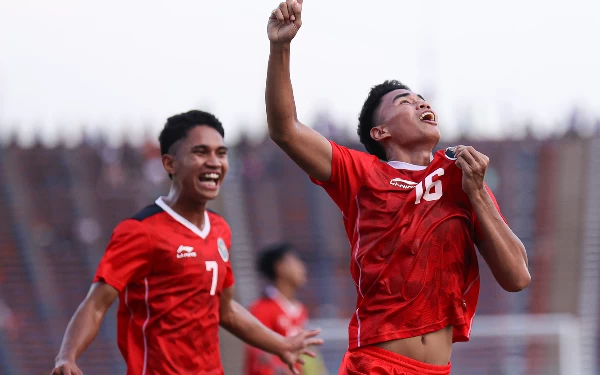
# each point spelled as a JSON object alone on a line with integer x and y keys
{"x": 270, "y": 256}
{"x": 366, "y": 121}
{"x": 178, "y": 126}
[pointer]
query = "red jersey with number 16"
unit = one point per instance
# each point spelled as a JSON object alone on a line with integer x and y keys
{"x": 170, "y": 275}
{"x": 412, "y": 231}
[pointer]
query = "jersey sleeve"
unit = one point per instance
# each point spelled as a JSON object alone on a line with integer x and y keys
{"x": 478, "y": 234}
{"x": 349, "y": 169}
{"x": 229, "y": 278}
{"x": 127, "y": 257}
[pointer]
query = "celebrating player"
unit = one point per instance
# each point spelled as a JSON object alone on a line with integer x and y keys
{"x": 412, "y": 219}
{"x": 169, "y": 265}
{"x": 278, "y": 309}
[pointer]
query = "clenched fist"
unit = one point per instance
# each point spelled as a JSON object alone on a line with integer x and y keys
{"x": 285, "y": 21}
{"x": 473, "y": 164}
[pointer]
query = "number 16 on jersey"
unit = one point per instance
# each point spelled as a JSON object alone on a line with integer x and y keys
{"x": 426, "y": 193}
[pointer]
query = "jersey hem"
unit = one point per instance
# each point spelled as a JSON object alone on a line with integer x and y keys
{"x": 353, "y": 343}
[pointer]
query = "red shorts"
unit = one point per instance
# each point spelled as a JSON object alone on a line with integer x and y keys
{"x": 376, "y": 361}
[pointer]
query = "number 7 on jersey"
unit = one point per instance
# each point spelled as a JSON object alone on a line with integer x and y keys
{"x": 211, "y": 265}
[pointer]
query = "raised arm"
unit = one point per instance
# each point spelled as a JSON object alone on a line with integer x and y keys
{"x": 502, "y": 250}
{"x": 241, "y": 323}
{"x": 309, "y": 149}
{"x": 83, "y": 327}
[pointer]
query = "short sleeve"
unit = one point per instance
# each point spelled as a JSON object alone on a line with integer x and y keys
{"x": 229, "y": 278}
{"x": 478, "y": 235}
{"x": 128, "y": 256}
{"x": 349, "y": 169}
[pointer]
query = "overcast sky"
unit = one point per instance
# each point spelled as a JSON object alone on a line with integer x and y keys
{"x": 123, "y": 67}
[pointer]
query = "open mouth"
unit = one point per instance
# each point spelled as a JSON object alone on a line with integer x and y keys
{"x": 210, "y": 180}
{"x": 428, "y": 117}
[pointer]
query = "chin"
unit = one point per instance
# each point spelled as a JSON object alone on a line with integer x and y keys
{"x": 204, "y": 196}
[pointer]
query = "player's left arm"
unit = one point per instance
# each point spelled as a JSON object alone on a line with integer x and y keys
{"x": 502, "y": 250}
{"x": 241, "y": 323}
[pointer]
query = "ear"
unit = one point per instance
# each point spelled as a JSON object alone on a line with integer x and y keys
{"x": 168, "y": 162}
{"x": 379, "y": 133}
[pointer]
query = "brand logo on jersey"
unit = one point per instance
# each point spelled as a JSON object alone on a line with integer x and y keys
{"x": 222, "y": 249}
{"x": 450, "y": 153}
{"x": 404, "y": 184}
{"x": 186, "y": 252}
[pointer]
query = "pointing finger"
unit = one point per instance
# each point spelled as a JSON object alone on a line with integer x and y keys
{"x": 290, "y": 6}
{"x": 284, "y": 10}
{"x": 297, "y": 7}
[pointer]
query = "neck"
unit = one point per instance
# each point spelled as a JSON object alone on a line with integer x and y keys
{"x": 286, "y": 289}
{"x": 416, "y": 155}
{"x": 189, "y": 209}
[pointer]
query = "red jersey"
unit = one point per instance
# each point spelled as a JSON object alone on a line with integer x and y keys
{"x": 412, "y": 231}
{"x": 282, "y": 316}
{"x": 170, "y": 275}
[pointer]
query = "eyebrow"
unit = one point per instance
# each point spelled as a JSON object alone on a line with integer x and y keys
{"x": 220, "y": 148}
{"x": 406, "y": 94}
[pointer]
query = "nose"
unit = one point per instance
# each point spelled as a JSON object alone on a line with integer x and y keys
{"x": 213, "y": 161}
{"x": 423, "y": 104}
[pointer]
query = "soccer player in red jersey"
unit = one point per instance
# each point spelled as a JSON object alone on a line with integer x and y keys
{"x": 413, "y": 218}
{"x": 278, "y": 309}
{"x": 169, "y": 265}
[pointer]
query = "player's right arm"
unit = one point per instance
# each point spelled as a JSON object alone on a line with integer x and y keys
{"x": 83, "y": 327}
{"x": 309, "y": 149}
{"x": 128, "y": 258}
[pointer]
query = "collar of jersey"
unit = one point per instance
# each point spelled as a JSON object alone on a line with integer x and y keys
{"x": 402, "y": 165}
{"x": 185, "y": 222}
{"x": 290, "y": 308}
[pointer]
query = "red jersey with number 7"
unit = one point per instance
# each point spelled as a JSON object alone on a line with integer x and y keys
{"x": 412, "y": 231}
{"x": 170, "y": 275}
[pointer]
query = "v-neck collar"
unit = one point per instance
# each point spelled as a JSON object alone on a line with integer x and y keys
{"x": 185, "y": 222}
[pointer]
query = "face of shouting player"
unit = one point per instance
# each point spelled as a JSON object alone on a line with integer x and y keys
{"x": 406, "y": 119}
{"x": 199, "y": 164}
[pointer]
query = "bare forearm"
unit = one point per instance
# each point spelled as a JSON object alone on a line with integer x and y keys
{"x": 241, "y": 323}
{"x": 501, "y": 248}
{"x": 81, "y": 331}
{"x": 279, "y": 95}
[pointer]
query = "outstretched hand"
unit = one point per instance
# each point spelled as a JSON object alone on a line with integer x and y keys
{"x": 285, "y": 21}
{"x": 298, "y": 345}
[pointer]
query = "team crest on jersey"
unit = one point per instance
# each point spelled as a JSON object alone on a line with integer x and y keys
{"x": 404, "y": 184}
{"x": 222, "y": 249}
{"x": 450, "y": 153}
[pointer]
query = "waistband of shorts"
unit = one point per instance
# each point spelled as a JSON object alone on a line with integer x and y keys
{"x": 396, "y": 358}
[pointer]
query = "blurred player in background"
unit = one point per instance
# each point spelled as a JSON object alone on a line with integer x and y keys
{"x": 279, "y": 309}
{"x": 412, "y": 218}
{"x": 169, "y": 266}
